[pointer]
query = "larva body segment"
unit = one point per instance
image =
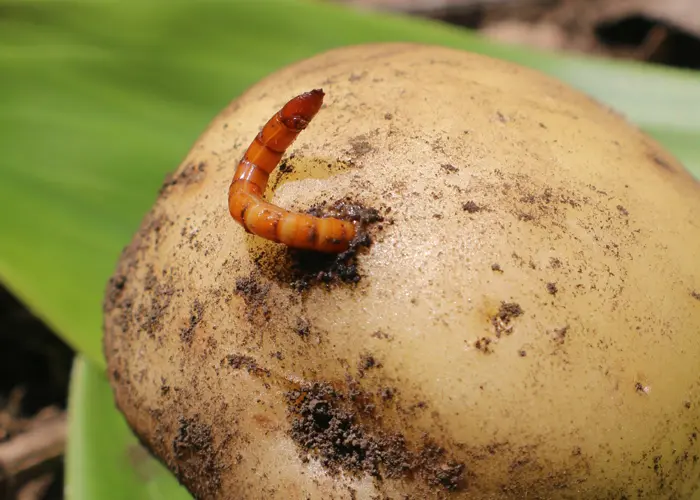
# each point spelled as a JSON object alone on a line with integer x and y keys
{"x": 245, "y": 196}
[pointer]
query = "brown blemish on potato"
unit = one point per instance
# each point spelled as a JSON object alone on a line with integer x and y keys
{"x": 661, "y": 162}
{"x": 382, "y": 335}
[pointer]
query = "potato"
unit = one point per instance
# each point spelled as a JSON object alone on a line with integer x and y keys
{"x": 524, "y": 324}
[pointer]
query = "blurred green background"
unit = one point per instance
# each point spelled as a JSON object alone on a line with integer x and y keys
{"x": 100, "y": 99}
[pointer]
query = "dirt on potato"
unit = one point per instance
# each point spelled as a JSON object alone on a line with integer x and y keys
{"x": 322, "y": 425}
{"x": 303, "y": 269}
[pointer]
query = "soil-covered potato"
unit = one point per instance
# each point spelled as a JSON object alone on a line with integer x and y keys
{"x": 524, "y": 324}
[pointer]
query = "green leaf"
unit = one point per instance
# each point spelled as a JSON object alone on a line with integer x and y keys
{"x": 103, "y": 458}
{"x": 101, "y": 99}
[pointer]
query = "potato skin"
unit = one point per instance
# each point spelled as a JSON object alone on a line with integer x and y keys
{"x": 526, "y": 325}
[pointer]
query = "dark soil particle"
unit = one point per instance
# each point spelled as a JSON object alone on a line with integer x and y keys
{"x": 484, "y": 345}
{"x": 695, "y": 295}
{"x": 622, "y": 210}
{"x": 506, "y": 313}
{"x": 238, "y": 361}
{"x": 387, "y": 393}
{"x": 286, "y": 166}
{"x": 367, "y": 362}
{"x": 254, "y": 293}
{"x": 560, "y": 334}
{"x": 243, "y": 362}
{"x": 496, "y": 268}
{"x": 445, "y": 473}
{"x": 187, "y": 334}
{"x": 449, "y": 168}
{"x": 150, "y": 318}
{"x": 115, "y": 288}
{"x": 552, "y": 288}
{"x": 302, "y": 328}
{"x": 471, "y": 207}
{"x": 323, "y": 427}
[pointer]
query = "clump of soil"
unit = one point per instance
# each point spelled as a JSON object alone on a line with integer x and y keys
{"x": 308, "y": 268}
{"x": 196, "y": 456}
{"x": 502, "y": 320}
{"x": 367, "y": 362}
{"x": 324, "y": 426}
{"x": 302, "y": 269}
{"x": 484, "y": 345}
{"x": 471, "y": 207}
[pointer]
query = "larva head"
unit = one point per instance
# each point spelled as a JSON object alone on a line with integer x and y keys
{"x": 524, "y": 323}
{"x": 297, "y": 113}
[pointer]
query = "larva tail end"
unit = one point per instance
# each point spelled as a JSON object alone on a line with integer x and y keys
{"x": 299, "y": 111}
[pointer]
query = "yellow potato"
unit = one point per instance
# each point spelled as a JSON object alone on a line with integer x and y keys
{"x": 526, "y": 322}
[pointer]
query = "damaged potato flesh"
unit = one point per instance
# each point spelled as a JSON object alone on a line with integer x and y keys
{"x": 521, "y": 319}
